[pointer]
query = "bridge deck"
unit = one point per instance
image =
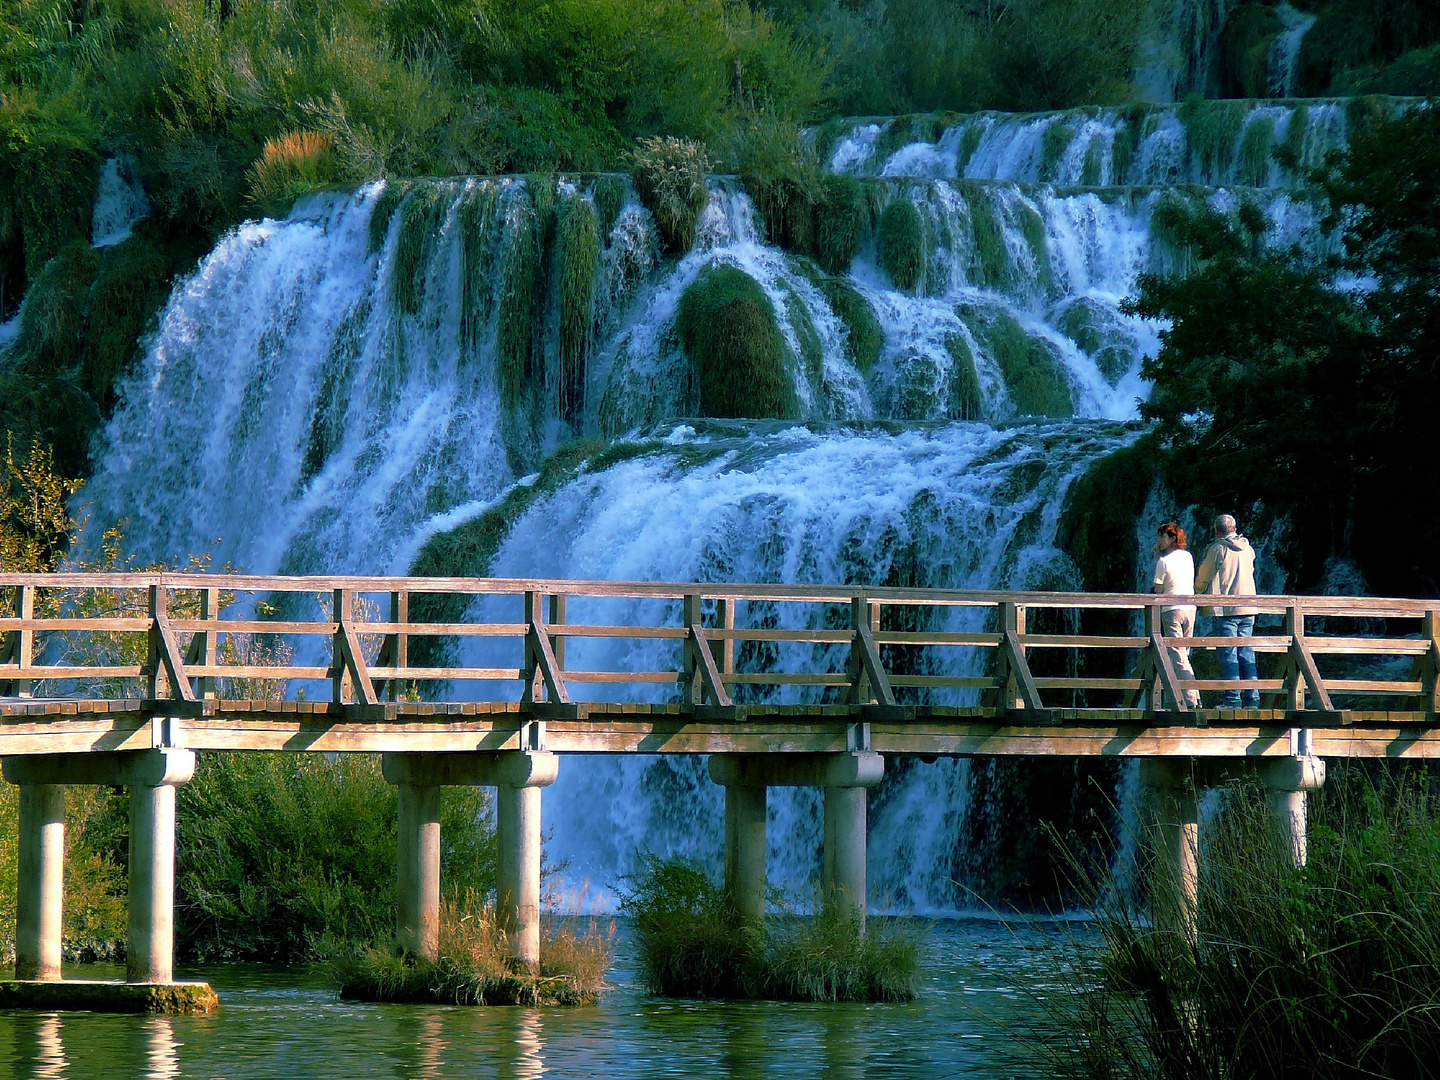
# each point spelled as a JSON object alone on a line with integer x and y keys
{"x": 129, "y": 661}
{"x": 78, "y": 726}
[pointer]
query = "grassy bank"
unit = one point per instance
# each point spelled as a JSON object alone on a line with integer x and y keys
{"x": 474, "y": 966}
{"x": 1329, "y": 971}
{"x": 690, "y": 945}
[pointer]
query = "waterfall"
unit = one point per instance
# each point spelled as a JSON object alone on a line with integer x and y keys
{"x": 1178, "y": 41}
{"x": 120, "y": 201}
{"x": 1285, "y": 49}
{"x": 340, "y": 390}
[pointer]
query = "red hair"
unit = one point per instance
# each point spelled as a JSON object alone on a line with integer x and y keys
{"x": 1173, "y": 530}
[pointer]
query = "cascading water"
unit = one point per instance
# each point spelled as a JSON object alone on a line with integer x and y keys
{"x": 331, "y": 392}
{"x": 1285, "y": 49}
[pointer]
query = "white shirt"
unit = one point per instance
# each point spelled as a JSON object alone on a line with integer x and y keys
{"x": 1175, "y": 573}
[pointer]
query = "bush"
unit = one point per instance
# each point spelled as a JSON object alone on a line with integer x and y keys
{"x": 289, "y": 166}
{"x": 841, "y": 218}
{"x": 691, "y": 946}
{"x": 474, "y": 966}
{"x": 670, "y": 177}
{"x": 728, "y": 328}
{"x": 279, "y": 851}
{"x": 902, "y": 244}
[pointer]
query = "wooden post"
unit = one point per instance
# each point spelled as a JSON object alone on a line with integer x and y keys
{"x": 25, "y": 641}
{"x": 534, "y": 685}
{"x": 557, "y": 618}
{"x": 154, "y": 678}
{"x": 1294, "y": 693}
{"x": 725, "y": 648}
{"x": 865, "y": 621}
{"x": 398, "y": 645}
{"x": 207, "y": 650}
{"x": 693, "y": 690}
{"x": 340, "y": 684}
{"x": 1154, "y": 628}
{"x": 1430, "y": 666}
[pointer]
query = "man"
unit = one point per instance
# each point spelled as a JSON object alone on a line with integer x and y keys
{"x": 1229, "y": 570}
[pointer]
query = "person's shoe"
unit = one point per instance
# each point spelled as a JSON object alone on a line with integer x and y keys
{"x": 1252, "y": 699}
{"x": 1231, "y": 700}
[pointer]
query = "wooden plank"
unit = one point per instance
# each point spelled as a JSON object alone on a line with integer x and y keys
{"x": 869, "y": 655}
{"x": 538, "y": 643}
{"x": 709, "y": 673}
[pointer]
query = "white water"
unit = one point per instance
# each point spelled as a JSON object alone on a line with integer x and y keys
{"x": 326, "y": 394}
{"x": 1285, "y": 49}
{"x": 120, "y": 202}
{"x": 1078, "y": 147}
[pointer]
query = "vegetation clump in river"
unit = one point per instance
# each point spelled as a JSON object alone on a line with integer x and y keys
{"x": 692, "y": 945}
{"x": 474, "y": 966}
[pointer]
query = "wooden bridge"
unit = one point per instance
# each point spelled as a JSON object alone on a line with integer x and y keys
{"x": 119, "y": 678}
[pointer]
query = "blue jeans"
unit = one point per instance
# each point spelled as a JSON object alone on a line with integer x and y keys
{"x": 1238, "y": 662}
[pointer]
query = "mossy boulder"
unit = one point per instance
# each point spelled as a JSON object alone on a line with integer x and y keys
{"x": 1097, "y": 523}
{"x": 902, "y": 244}
{"x": 864, "y": 336}
{"x": 964, "y": 396}
{"x": 728, "y": 328}
{"x": 1101, "y": 334}
{"x": 841, "y": 217}
{"x": 1029, "y": 364}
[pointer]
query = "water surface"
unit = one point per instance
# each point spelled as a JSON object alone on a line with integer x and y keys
{"x": 979, "y": 1005}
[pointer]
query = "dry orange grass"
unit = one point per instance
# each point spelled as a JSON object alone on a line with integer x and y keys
{"x": 289, "y": 166}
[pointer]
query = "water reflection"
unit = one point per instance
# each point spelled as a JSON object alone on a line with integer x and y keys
{"x": 47, "y": 1048}
{"x": 844, "y": 1051}
{"x": 421, "y": 1046}
{"x": 519, "y": 1045}
{"x": 162, "y": 1051}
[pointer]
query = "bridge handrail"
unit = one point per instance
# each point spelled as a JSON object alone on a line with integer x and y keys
{"x": 181, "y": 616}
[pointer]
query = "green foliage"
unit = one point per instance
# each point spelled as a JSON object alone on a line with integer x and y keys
{"x": 901, "y": 237}
{"x": 577, "y": 255}
{"x": 670, "y": 178}
{"x": 1093, "y": 166}
{"x": 728, "y": 329}
{"x": 609, "y": 196}
{"x": 421, "y": 216}
{"x": 279, "y": 851}
{"x": 1093, "y": 327}
{"x": 35, "y": 523}
{"x": 1097, "y": 524}
{"x": 386, "y": 203}
{"x": 474, "y": 966}
{"x": 1245, "y": 41}
{"x": 785, "y": 181}
{"x": 290, "y": 166}
{"x": 990, "y": 264}
{"x": 1328, "y": 971}
{"x": 1290, "y": 152}
{"x": 1029, "y": 364}
{"x": 691, "y": 945}
{"x": 863, "y": 334}
{"x": 1356, "y": 46}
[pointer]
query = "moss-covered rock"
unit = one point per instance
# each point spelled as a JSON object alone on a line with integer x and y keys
{"x": 1256, "y": 145}
{"x": 864, "y": 336}
{"x": 1212, "y": 129}
{"x": 383, "y": 211}
{"x": 964, "y": 397}
{"x": 421, "y": 215}
{"x": 520, "y": 269}
{"x": 609, "y": 195}
{"x": 1097, "y": 523}
{"x": 1029, "y": 364}
{"x": 1101, "y": 334}
{"x": 1053, "y": 144}
{"x": 841, "y": 217}
{"x": 902, "y": 244}
{"x": 728, "y": 329}
{"x": 577, "y": 254}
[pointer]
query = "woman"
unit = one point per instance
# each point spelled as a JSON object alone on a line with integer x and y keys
{"x": 1175, "y": 575}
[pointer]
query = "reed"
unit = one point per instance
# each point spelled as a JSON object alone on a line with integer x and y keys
{"x": 474, "y": 966}
{"x": 1328, "y": 971}
{"x": 690, "y": 945}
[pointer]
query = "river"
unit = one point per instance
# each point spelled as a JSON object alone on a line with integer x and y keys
{"x": 980, "y": 1004}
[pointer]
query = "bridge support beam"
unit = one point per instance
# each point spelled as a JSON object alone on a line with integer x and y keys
{"x": 517, "y": 777}
{"x": 747, "y": 778}
{"x": 1286, "y": 781}
{"x": 150, "y": 952}
{"x": 40, "y": 881}
{"x": 1176, "y": 838}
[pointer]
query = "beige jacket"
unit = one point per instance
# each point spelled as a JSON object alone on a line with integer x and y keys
{"x": 1228, "y": 570}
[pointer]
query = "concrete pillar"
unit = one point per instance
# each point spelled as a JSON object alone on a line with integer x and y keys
{"x": 150, "y": 953}
{"x": 844, "y": 856}
{"x": 745, "y": 807}
{"x": 517, "y": 821}
{"x": 417, "y": 865}
{"x": 1175, "y": 880}
{"x": 40, "y": 881}
{"x": 1286, "y": 781}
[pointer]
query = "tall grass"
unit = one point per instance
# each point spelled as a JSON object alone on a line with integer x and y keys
{"x": 474, "y": 966}
{"x": 1329, "y": 971}
{"x": 691, "y": 945}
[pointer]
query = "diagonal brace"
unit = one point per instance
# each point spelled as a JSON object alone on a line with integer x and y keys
{"x": 1305, "y": 663}
{"x": 1167, "y": 675}
{"x": 352, "y": 656}
{"x": 167, "y": 652}
{"x": 1015, "y": 659}
{"x": 868, "y": 652}
{"x": 705, "y": 667}
{"x": 537, "y": 643}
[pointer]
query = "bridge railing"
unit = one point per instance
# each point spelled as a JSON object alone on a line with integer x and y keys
{"x": 186, "y": 639}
